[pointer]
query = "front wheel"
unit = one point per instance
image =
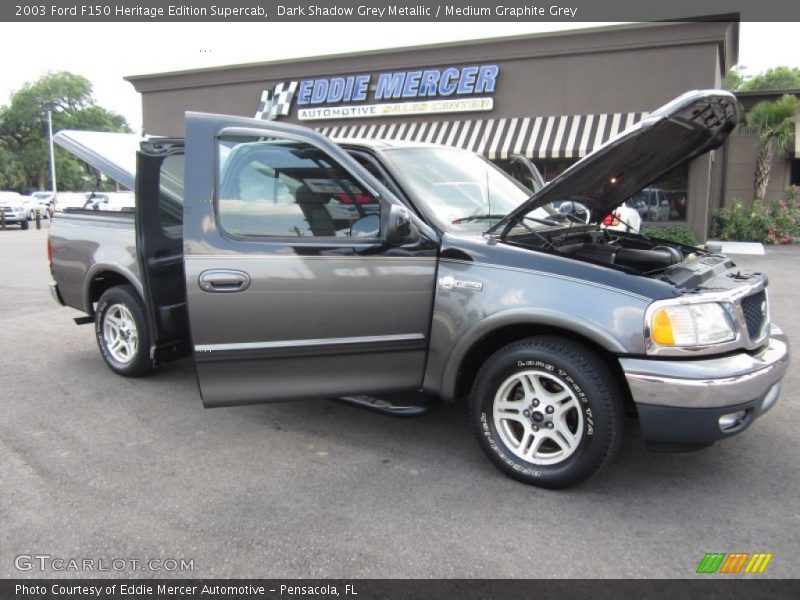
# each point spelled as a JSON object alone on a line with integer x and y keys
{"x": 122, "y": 333}
{"x": 547, "y": 411}
{"x": 24, "y": 224}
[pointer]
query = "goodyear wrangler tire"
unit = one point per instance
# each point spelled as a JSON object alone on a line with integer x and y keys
{"x": 122, "y": 333}
{"x": 547, "y": 411}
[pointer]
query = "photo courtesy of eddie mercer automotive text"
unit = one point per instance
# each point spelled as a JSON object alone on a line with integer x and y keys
{"x": 395, "y": 274}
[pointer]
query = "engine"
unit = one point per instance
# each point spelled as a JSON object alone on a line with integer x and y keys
{"x": 630, "y": 253}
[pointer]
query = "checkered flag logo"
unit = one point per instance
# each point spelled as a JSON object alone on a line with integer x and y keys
{"x": 278, "y": 102}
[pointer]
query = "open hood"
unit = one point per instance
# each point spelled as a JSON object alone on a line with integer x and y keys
{"x": 113, "y": 154}
{"x": 689, "y": 126}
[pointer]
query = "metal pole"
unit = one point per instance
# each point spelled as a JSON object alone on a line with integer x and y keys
{"x": 52, "y": 155}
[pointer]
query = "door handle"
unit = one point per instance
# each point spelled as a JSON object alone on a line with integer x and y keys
{"x": 223, "y": 281}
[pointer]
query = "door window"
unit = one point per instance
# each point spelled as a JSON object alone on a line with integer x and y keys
{"x": 274, "y": 187}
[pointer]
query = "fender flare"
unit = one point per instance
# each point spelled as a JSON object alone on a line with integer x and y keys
{"x": 545, "y": 317}
{"x": 98, "y": 268}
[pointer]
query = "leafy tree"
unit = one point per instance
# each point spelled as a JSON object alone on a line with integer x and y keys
{"x": 777, "y": 78}
{"x": 772, "y": 124}
{"x": 23, "y": 131}
{"x": 734, "y": 79}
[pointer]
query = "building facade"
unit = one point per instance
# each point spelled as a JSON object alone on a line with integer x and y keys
{"x": 739, "y": 157}
{"x": 550, "y": 97}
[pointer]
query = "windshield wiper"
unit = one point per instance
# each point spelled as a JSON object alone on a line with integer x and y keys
{"x": 470, "y": 218}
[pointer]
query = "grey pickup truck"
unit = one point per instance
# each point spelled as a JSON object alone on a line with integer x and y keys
{"x": 396, "y": 275}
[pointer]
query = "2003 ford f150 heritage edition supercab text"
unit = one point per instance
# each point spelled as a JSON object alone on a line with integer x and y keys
{"x": 292, "y": 266}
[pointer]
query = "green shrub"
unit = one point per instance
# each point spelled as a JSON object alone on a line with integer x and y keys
{"x": 674, "y": 233}
{"x": 776, "y": 222}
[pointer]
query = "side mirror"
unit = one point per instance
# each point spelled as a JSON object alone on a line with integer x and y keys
{"x": 368, "y": 226}
{"x": 399, "y": 229}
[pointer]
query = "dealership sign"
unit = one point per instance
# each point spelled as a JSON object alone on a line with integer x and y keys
{"x": 399, "y": 93}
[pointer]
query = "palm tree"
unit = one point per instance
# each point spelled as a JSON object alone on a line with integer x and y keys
{"x": 772, "y": 124}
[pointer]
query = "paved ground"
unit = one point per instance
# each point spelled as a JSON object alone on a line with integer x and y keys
{"x": 94, "y": 465}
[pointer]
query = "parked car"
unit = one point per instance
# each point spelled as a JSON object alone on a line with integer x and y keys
{"x": 66, "y": 200}
{"x": 45, "y": 198}
{"x": 34, "y": 205}
{"x": 652, "y": 204}
{"x": 12, "y": 206}
{"x": 299, "y": 268}
{"x": 110, "y": 201}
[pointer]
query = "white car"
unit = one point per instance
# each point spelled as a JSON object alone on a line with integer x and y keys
{"x": 45, "y": 198}
{"x": 33, "y": 205}
{"x": 13, "y": 209}
{"x": 110, "y": 201}
{"x": 65, "y": 200}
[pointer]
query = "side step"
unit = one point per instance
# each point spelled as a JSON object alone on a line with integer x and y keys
{"x": 407, "y": 407}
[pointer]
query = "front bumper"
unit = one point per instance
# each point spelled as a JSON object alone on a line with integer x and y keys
{"x": 15, "y": 217}
{"x": 680, "y": 402}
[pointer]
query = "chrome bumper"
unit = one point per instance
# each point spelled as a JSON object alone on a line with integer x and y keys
{"x": 56, "y": 294}
{"x": 709, "y": 383}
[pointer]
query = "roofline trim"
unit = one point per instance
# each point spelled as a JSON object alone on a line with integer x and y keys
{"x": 140, "y": 82}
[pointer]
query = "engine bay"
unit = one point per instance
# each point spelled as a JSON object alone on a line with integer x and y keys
{"x": 688, "y": 268}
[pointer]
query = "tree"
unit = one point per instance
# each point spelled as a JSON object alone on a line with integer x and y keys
{"x": 772, "y": 124}
{"x": 23, "y": 131}
{"x": 777, "y": 78}
{"x": 734, "y": 79}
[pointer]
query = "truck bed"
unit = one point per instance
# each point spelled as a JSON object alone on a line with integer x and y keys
{"x": 88, "y": 248}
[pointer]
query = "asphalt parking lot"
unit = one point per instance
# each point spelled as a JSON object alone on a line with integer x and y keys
{"x": 98, "y": 466}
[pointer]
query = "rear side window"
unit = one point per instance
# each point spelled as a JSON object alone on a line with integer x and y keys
{"x": 273, "y": 187}
{"x": 170, "y": 197}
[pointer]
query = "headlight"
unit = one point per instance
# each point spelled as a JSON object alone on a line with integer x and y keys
{"x": 692, "y": 325}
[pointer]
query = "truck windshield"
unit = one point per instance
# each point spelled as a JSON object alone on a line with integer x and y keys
{"x": 461, "y": 189}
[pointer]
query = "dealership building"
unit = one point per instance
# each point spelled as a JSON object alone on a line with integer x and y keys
{"x": 550, "y": 97}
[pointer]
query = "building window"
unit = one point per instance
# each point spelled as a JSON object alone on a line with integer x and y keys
{"x": 665, "y": 199}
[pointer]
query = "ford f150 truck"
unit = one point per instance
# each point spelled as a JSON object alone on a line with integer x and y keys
{"x": 291, "y": 266}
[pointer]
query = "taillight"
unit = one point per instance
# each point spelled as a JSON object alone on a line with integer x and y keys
{"x": 611, "y": 221}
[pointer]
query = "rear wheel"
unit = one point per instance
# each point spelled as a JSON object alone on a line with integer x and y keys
{"x": 547, "y": 411}
{"x": 122, "y": 333}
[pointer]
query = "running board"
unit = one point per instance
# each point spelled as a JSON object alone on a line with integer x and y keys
{"x": 394, "y": 408}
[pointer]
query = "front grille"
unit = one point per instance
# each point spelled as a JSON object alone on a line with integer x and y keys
{"x": 754, "y": 308}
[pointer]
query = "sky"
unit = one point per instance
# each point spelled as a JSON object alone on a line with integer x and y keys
{"x": 105, "y": 53}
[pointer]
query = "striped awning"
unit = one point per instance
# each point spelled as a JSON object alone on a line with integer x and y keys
{"x": 566, "y": 136}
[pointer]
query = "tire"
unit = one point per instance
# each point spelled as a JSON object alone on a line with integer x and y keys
{"x": 547, "y": 411}
{"x": 123, "y": 336}
{"x": 24, "y": 224}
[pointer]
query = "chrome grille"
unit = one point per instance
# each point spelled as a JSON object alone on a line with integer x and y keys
{"x": 754, "y": 308}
